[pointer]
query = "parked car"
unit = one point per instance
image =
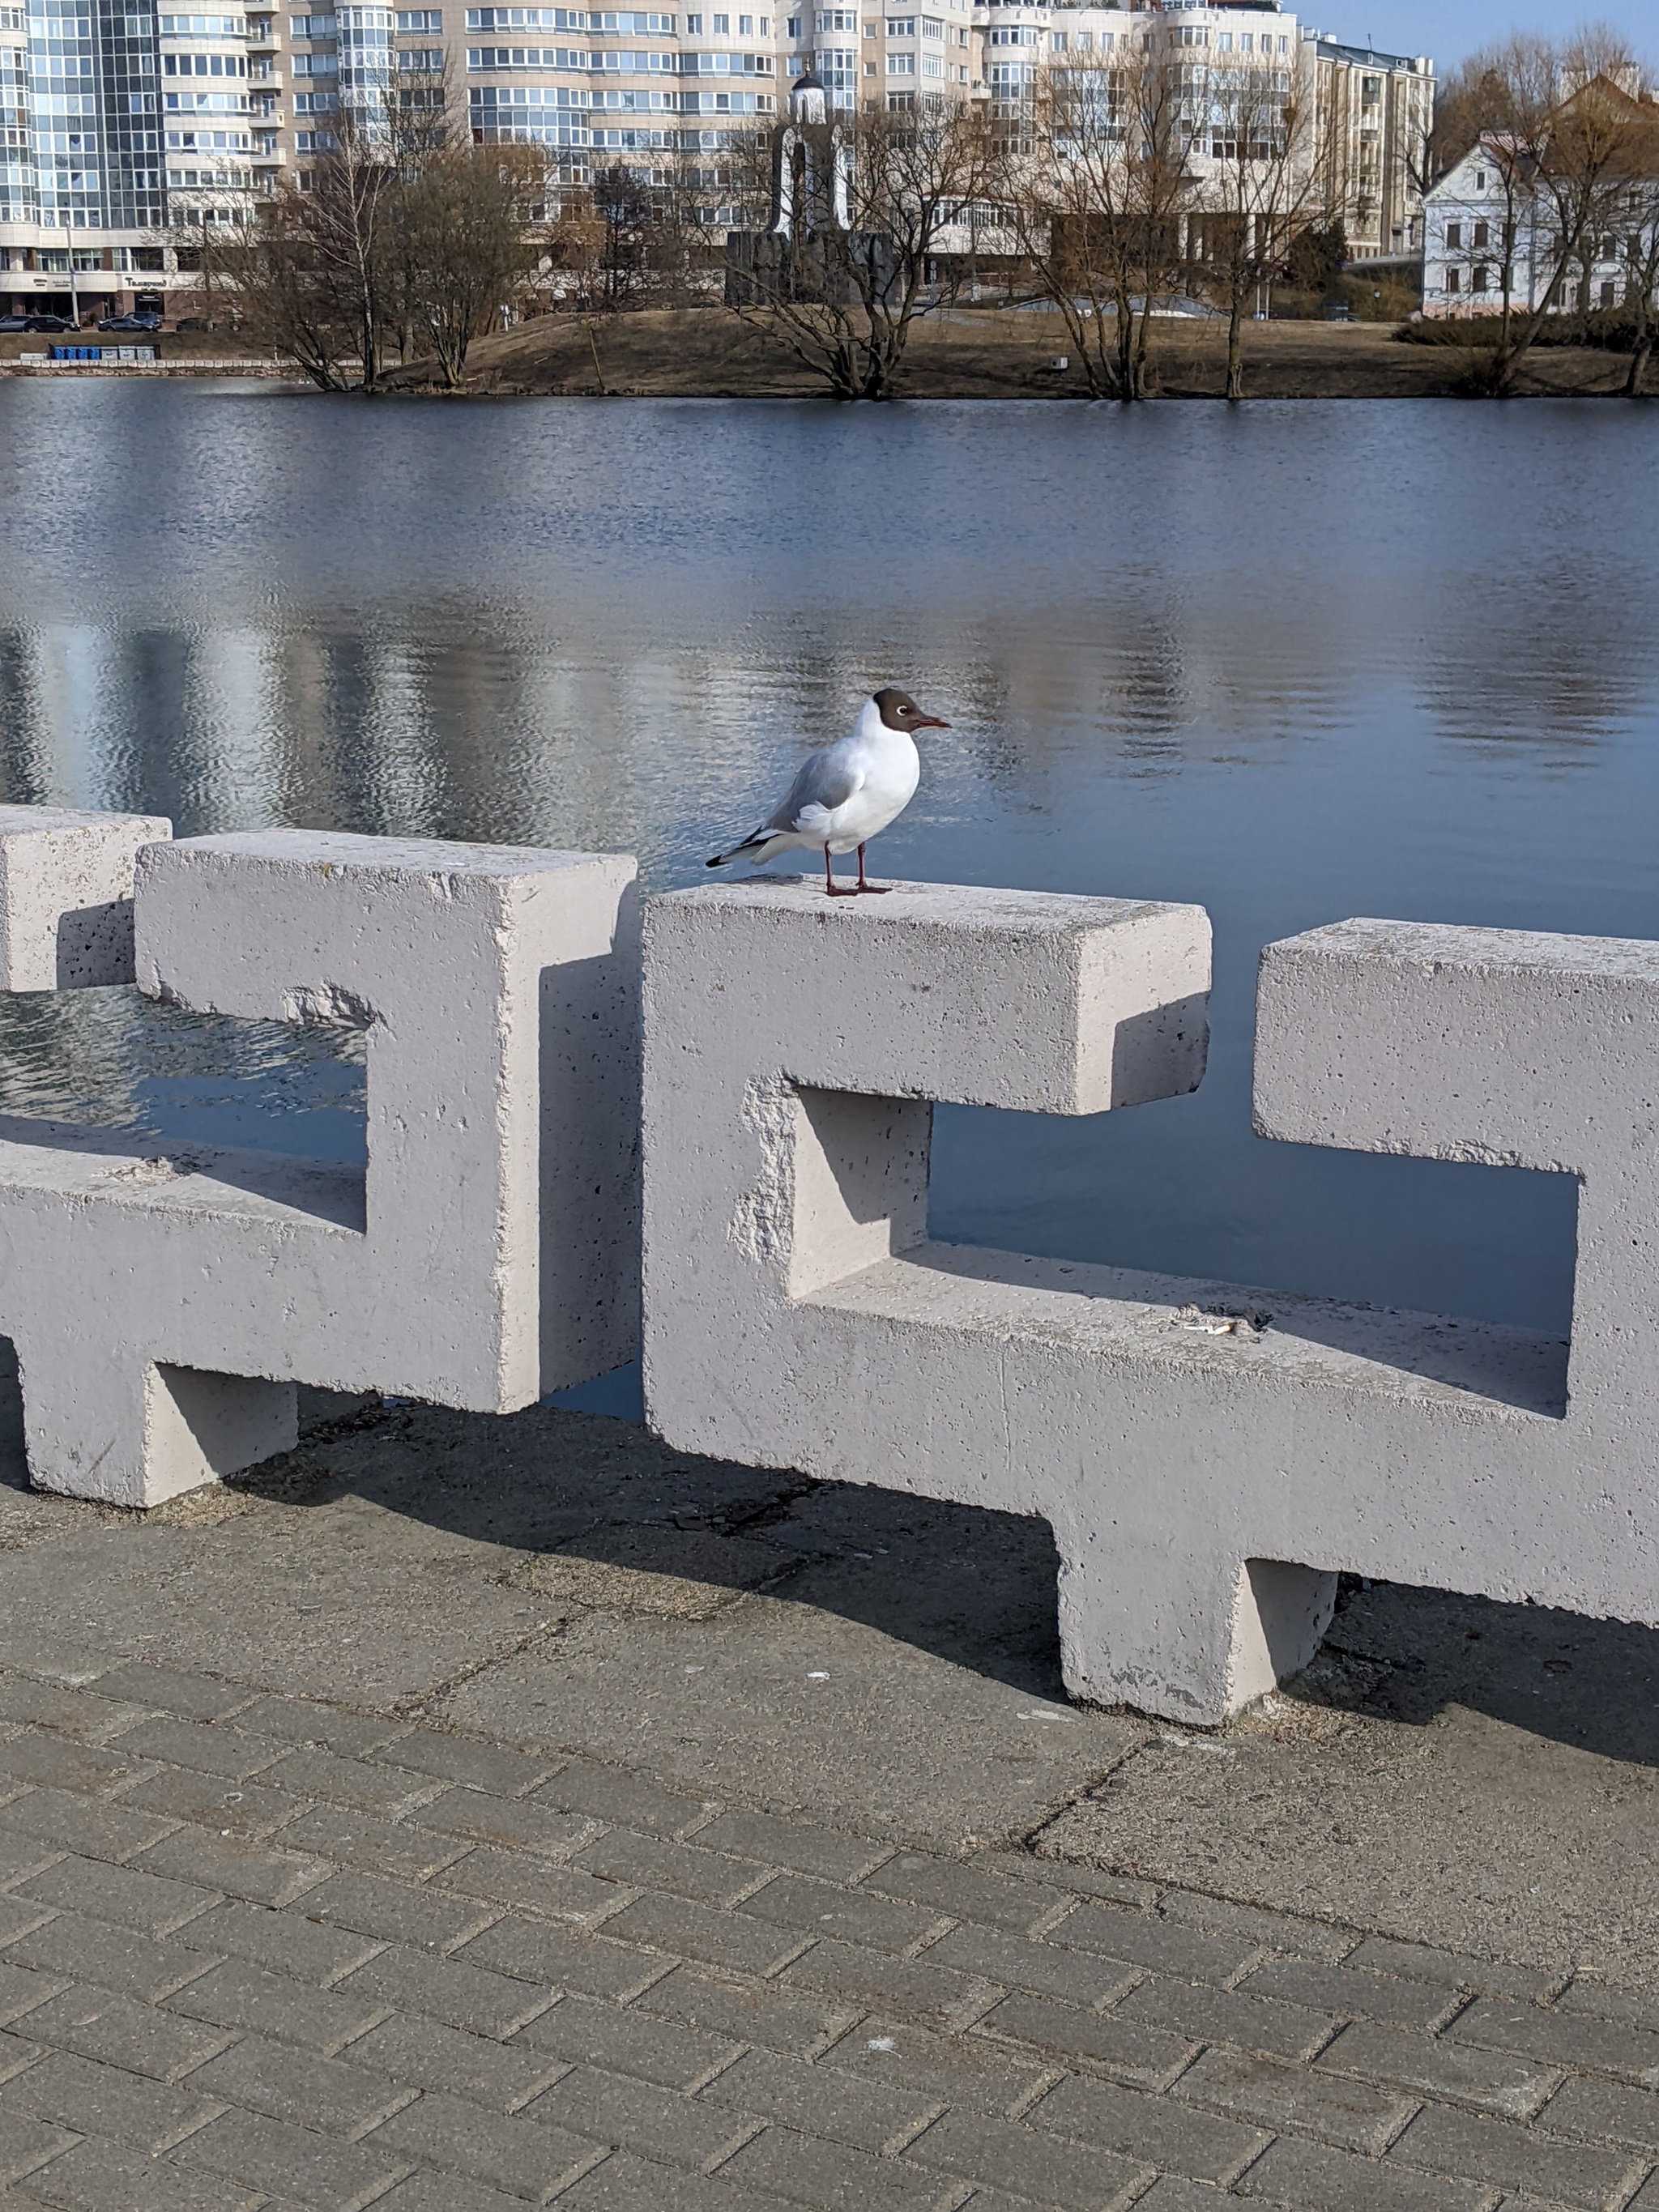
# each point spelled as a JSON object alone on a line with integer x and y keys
{"x": 14, "y": 322}
{"x": 192, "y": 323}
{"x": 135, "y": 322}
{"x": 57, "y": 324}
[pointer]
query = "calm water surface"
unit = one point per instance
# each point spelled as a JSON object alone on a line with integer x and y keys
{"x": 1295, "y": 661}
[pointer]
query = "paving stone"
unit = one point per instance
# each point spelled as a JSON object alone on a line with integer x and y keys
{"x": 1489, "y": 2079}
{"x": 1354, "y": 2115}
{"x": 1345, "y": 1990}
{"x": 1562, "y": 2039}
{"x": 165, "y": 1690}
{"x": 286, "y": 1942}
{"x": 17, "y": 2052}
{"x": 1168, "y": 2193}
{"x": 24, "y": 1651}
{"x": 98, "y": 2176}
{"x": 1604, "y": 2112}
{"x": 1209, "y": 2015}
{"x": 480, "y": 1765}
{"x": 1454, "y": 1970}
{"x": 105, "y": 2101}
{"x": 101, "y": 2024}
{"x": 1150, "y": 2057}
{"x": 559, "y": 1957}
{"x": 91, "y": 1825}
{"x": 262, "y": 1875}
{"x": 1080, "y": 1881}
{"x": 1143, "y": 1940}
{"x": 631, "y": 2042}
{"x": 396, "y": 1911}
{"x": 310, "y": 1771}
{"x": 635, "y": 2115}
{"x": 820, "y": 1908}
{"x": 21, "y": 1991}
{"x": 514, "y": 1822}
{"x": 793, "y": 1844}
{"x": 770, "y": 2017}
{"x": 627, "y": 2183}
{"x": 217, "y": 1801}
{"x": 1013, "y": 1963}
{"x": 26, "y": 2144}
{"x": 1308, "y": 2177}
{"x": 123, "y": 1895}
{"x": 915, "y": 1989}
{"x": 56, "y": 1762}
{"x": 395, "y": 1850}
{"x": 608, "y": 1793}
{"x": 511, "y": 2154}
{"x": 1639, "y": 2008}
{"x": 451, "y": 1990}
{"x": 422, "y": 2055}
{"x": 819, "y": 2100}
{"x": 685, "y": 1870}
{"x": 1149, "y": 2129}
{"x": 54, "y": 1706}
{"x": 517, "y": 1878}
{"x": 966, "y": 1892}
{"x": 1277, "y": 1931}
{"x": 203, "y": 1746}
{"x": 946, "y": 2070}
{"x": 449, "y": 2192}
{"x": 82, "y": 1950}
{"x": 1010, "y": 2156}
{"x": 238, "y": 1994}
{"x": 293, "y": 1720}
{"x": 292, "y": 2162}
{"x": 830, "y": 2176}
{"x": 21, "y": 1857}
{"x": 426, "y": 2191}
{"x": 334, "y": 2096}
{"x": 1498, "y": 2152}
{"x": 698, "y": 1931}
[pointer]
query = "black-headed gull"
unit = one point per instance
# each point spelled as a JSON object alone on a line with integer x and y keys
{"x": 846, "y": 791}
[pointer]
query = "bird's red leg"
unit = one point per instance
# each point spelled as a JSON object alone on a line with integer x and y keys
{"x": 835, "y": 890}
{"x": 880, "y": 889}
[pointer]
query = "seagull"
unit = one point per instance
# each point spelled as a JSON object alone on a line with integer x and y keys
{"x": 845, "y": 792}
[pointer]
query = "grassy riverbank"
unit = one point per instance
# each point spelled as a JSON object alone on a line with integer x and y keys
{"x": 990, "y": 354}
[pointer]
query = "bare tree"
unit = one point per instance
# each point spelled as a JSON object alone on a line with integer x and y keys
{"x": 1641, "y": 255}
{"x": 1100, "y": 188}
{"x": 1565, "y": 132}
{"x": 468, "y": 233}
{"x": 882, "y": 204}
{"x": 1261, "y": 174}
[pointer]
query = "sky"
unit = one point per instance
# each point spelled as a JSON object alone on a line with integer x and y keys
{"x": 1449, "y": 29}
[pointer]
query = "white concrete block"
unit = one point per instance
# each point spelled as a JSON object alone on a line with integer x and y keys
{"x": 1209, "y": 1456}
{"x": 488, "y": 1254}
{"x": 66, "y": 896}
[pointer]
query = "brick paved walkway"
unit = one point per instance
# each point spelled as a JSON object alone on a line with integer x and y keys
{"x": 260, "y": 1952}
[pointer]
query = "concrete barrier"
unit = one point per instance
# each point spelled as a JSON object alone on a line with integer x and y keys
{"x": 1208, "y": 1455}
{"x": 164, "y": 1307}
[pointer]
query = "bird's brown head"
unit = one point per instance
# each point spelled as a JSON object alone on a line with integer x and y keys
{"x": 900, "y": 712}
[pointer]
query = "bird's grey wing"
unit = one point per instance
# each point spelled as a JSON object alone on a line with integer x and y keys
{"x": 825, "y": 781}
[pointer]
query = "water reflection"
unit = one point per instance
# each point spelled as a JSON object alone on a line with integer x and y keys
{"x": 1295, "y": 661}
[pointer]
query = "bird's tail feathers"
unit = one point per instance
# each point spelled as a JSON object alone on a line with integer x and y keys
{"x": 753, "y": 847}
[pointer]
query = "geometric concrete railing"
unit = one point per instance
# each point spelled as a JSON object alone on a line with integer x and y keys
{"x": 164, "y": 1309}
{"x": 1204, "y": 1475}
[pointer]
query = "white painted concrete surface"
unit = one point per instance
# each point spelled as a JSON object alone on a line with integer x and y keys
{"x": 1206, "y": 1476}
{"x": 66, "y": 896}
{"x": 164, "y": 1308}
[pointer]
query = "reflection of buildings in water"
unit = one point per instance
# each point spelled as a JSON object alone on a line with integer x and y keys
{"x": 1561, "y": 667}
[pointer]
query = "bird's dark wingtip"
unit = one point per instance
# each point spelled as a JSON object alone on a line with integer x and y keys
{"x": 719, "y": 861}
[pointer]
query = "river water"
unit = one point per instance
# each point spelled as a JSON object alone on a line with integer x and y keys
{"x": 1295, "y": 660}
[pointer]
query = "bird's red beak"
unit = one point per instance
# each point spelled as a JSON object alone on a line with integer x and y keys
{"x": 930, "y": 722}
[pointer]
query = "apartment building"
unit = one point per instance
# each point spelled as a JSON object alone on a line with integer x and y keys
{"x": 120, "y": 127}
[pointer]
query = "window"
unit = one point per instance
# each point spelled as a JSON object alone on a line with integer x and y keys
{"x": 1284, "y": 45}
{"x": 1454, "y": 280}
{"x": 1480, "y": 180}
{"x": 694, "y": 26}
{"x": 723, "y": 27}
{"x": 932, "y": 27}
{"x": 1086, "y": 41}
{"x": 1608, "y": 289}
{"x": 901, "y": 64}
{"x": 427, "y": 61}
{"x": 1454, "y": 238}
{"x": 420, "y": 19}
{"x": 901, "y": 27}
{"x": 791, "y": 27}
{"x": 745, "y": 26}
{"x": 1224, "y": 42}
{"x": 1482, "y": 277}
{"x": 931, "y": 66}
{"x": 1482, "y": 234}
{"x": 1371, "y": 90}
{"x": 1057, "y": 41}
{"x": 896, "y": 101}
{"x": 1247, "y": 42}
